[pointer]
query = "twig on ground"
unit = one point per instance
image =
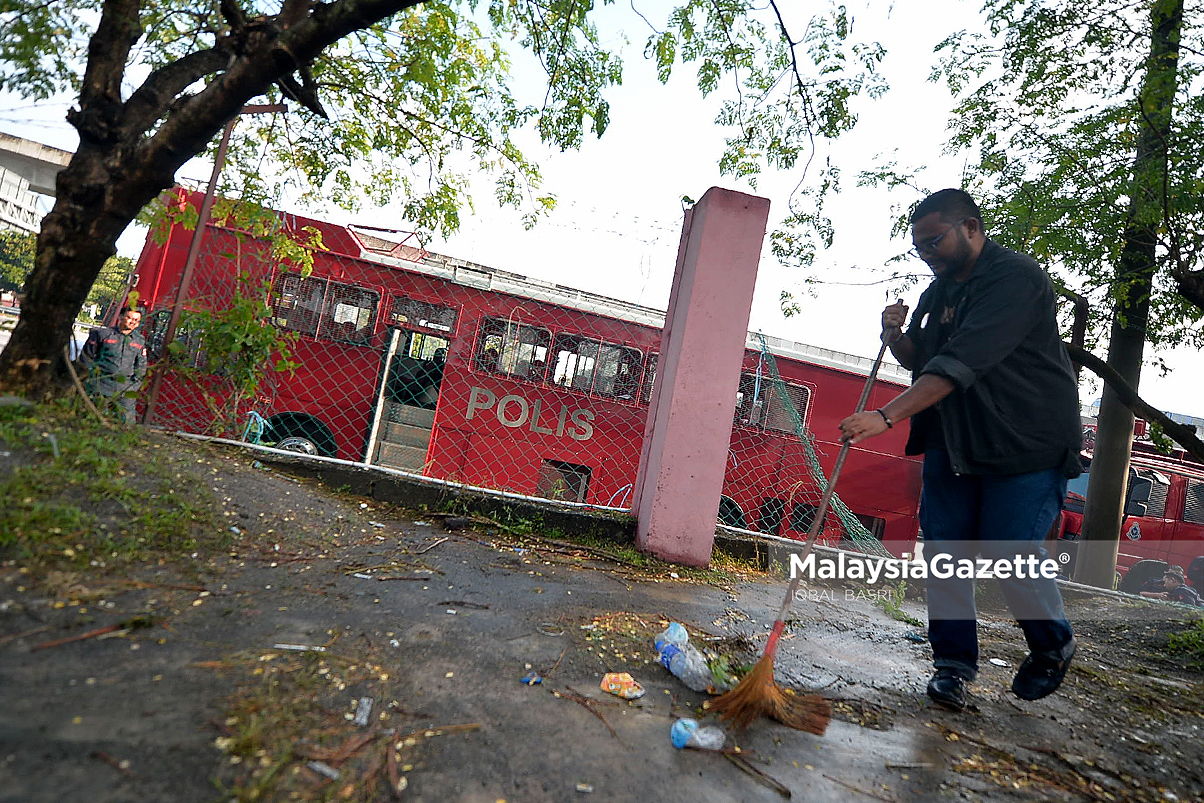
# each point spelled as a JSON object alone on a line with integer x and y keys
{"x": 391, "y": 763}
{"x": 437, "y": 730}
{"x": 82, "y": 393}
{"x": 859, "y": 789}
{"x": 558, "y": 660}
{"x": 762, "y": 777}
{"x": 121, "y": 766}
{"x": 337, "y": 755}
{"x": 128, "y": 624}
{"x": 588, "y": 705}
{"x": 144, "y": 584}
{"x": 426, "y": 549}
{"x": 459, "y": 603}
{"x": 100, "y": 631}
{"x": 16, "y": 636}
{"x": 569, "y": 545}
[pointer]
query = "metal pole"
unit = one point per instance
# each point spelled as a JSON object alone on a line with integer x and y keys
{"x": 194, "y": 248}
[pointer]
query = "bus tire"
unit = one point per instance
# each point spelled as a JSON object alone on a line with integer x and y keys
{"x": 298, "y": 443}
{"x": 730, "y": 513}
{"x": 302, "y": 433}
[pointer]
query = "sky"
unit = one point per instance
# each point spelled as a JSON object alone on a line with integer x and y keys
{"x": 619, "y": 215}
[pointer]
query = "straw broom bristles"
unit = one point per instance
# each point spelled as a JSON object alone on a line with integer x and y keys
{"x": 759, "y": 694}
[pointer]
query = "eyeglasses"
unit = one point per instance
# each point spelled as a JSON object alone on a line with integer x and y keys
{"x": 930, "y": 245}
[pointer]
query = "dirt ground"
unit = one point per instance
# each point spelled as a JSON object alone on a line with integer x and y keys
{"x": 235, "y": 672}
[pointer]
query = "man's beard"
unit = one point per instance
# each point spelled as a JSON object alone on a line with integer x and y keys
{"x": 961, "y": 259}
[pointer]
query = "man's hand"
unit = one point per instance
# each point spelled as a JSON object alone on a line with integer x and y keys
{"x": 860, "y": 426}
{"x": 893, "y": 319}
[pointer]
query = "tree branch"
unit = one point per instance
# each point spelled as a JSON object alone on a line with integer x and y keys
{"x": 1182, "y": 434}
{"x": 151, "y": 100}
{"x": 234, "y": 16}
{"x": 1190, "y": 285}
{"x": 100, "y": 107}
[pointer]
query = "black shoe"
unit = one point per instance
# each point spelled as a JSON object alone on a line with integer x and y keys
{"x": 948, "y": 688}
{"x": 1040, "y": 676}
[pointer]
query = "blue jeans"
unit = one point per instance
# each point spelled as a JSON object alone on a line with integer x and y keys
{"x": 998, "y": 517}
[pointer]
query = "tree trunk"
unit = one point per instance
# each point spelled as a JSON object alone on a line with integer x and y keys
{"x": 120, "y": 166}
{"x": 91, "y": 210}
{"x": 1106, "y": 487}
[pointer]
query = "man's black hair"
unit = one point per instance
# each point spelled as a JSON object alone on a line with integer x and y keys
{"x": 951, "y": 204}
{"x": 125, "y": 309}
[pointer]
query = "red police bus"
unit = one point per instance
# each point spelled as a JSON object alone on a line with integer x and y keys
{"x": 458, "y": 371}
{"x": 1163, "y": 522}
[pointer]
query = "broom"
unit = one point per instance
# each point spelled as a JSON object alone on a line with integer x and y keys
{"x": 757, "y": 693}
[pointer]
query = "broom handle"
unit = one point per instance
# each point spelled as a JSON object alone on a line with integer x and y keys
{"x": 779, "y": 624}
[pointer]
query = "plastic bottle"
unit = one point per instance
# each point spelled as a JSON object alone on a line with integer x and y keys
{"x": 688, "y": 733}
{"x": 674, "y": 651}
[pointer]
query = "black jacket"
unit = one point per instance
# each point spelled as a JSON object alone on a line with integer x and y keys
{"x": 1015, "y": 408}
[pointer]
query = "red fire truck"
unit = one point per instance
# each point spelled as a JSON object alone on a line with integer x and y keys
{"x": 462, "y": 372}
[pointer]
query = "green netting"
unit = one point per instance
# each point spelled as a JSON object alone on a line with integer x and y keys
{"x": 856, "y": 536}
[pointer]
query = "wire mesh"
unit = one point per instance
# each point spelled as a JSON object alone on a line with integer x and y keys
{"x": 386, "y": 354}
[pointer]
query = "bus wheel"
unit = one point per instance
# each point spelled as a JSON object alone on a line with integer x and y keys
{"x": 296, "y": 443}
{"x": 300, "y": 432}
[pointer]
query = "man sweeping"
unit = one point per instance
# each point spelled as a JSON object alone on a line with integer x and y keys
{"x": 994, "y": 411}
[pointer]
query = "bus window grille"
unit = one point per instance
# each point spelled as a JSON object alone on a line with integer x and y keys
{"x": 1193, "y": 511}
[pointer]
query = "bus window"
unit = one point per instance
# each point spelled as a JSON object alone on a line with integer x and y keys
{"x": 649, "y": 378}
{"x": 297, "y": 303}
{"x": 1155, "y": 501}
{"x": 568, "y": 482}
{"x": 618, "y": 372}
{"x": 416, "y": 371}
{"x": 750, "y": 400}
{"x": 512, "y": 348}
{"x": 350, "y": 314}
{"x": 1193, "y": 511}
{"x": 759, "y": 403}
{"x": 780, "y": 417}
{"x": 411, "y": 314}
{"x": 592, "y": 366}
{"x": 576, "y": 359}
{"x": 876, "y": 526}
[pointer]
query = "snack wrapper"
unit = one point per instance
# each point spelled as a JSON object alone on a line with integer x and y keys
{"x": 622, "y": 684}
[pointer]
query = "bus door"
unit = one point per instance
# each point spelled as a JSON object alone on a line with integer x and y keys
{"x": 412, "y": 374}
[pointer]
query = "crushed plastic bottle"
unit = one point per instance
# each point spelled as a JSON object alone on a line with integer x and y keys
{"x": 675, "y": 653}
{"x": 688, "y": 733}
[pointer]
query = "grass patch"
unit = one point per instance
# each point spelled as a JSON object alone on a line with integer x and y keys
{"x": 1189, "y": 644}
{"x": 82, "y": 494}
{"x": 892, "y": 605}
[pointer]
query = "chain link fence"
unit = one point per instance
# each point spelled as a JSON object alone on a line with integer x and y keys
{"x": 383, "y": 353}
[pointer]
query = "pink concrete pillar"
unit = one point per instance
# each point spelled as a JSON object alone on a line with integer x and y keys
{"x": 689, "y": 427}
